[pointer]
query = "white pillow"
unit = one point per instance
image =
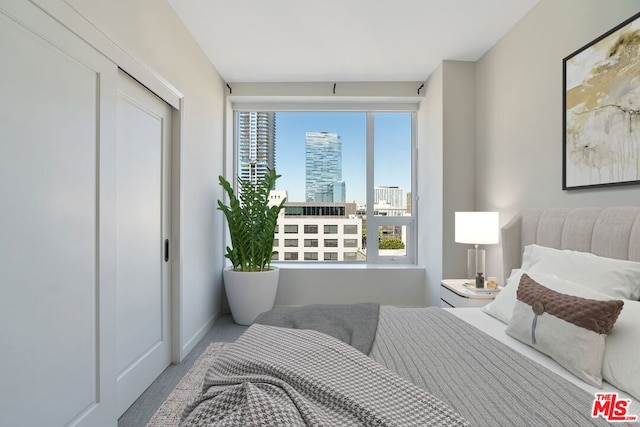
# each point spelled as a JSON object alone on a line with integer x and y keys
{"x": 570, "y": 329}
{"x": 620, "y": 365}
{"x": 614, "y": 277}
{"x": 502, "y": 306}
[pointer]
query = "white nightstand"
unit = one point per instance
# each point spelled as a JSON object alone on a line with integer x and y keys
{"x": 454, "y": 293}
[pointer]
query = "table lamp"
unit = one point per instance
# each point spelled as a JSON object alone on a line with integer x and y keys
{"x": 477, "y": 228}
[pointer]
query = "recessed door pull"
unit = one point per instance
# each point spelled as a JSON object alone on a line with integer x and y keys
{"x": 166, "y": 250}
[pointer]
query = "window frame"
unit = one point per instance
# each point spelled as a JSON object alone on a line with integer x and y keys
{"x": 372, "y": 222}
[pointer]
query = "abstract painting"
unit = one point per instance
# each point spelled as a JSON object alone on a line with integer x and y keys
{"x": 601, "y": 144}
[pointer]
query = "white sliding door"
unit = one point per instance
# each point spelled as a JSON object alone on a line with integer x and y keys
{"x": 143, "y": 206}
{"x": 57, "y": 216}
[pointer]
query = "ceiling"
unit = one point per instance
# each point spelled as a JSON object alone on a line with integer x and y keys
{"x": 344, "y": 40}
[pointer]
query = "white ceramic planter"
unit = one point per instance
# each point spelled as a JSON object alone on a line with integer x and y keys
{"x": 250, "y": 293}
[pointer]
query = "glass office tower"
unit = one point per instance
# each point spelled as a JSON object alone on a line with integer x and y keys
{"x": 323, "y": 162}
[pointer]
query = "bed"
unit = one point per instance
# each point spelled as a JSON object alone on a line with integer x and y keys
{"x": 465, "y": 366}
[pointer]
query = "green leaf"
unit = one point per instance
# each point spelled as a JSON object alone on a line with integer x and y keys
{"x": 251, "y": 221}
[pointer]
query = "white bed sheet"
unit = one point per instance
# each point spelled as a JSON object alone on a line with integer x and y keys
{"x": 496, "y": 329}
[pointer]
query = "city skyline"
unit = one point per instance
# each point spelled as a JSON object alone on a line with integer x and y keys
{"x": 392, "y": 150}
{"x": 392, "y": 160}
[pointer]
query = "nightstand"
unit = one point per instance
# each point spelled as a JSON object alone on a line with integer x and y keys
{"x": 454, "y": 293}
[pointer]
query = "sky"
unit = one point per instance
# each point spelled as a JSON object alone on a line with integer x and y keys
{"x": 392, "y": 153}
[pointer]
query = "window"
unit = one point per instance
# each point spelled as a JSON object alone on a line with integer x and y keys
{"x": 290, "y": 243}
{"x": 310, "y": 243}
{"x": 391, "y": 217}
{"x": 342, "y": 172}
{"x": 330, "y": 243}
{"x": 311, "y": 256}
{"x": 310, "y": 229}
{"x": 331, "y": 256}
{"x": 291, "y": 256}
{"x": 350, "y": 229}
{"x": 330, "y": 229}
{"x": 350, "y": 243}
{"x": 274, "y": 257}
{"x": 391, "y": 240}
{"x": 290, "y": 228}
{"x": 314, "y": 210}
{"x": 351, "y": 256}
{"x": 276, "y": 242}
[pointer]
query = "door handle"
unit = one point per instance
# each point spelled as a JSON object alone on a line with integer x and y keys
{"x": 166, "y": 250}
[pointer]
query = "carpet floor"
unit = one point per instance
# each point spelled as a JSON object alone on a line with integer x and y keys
{"x": 170, "y": 412}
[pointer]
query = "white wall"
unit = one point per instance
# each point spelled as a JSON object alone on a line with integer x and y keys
{"x": 401, "y": 285}
{"x": 430, "y": 183}
{"x": 150, "y": 31}
{"x": 519, "y": 110}
{"x": 460, "y": 169}
{"x": 446, "y": 161}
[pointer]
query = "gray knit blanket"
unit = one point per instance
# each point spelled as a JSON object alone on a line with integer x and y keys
{"x": 289, "y": 377}
{"x": 354, "y": 324}
{"x": 482, "y": 379}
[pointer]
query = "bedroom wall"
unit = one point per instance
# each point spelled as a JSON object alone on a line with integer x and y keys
{"x": 446, "y": 152}
{"x": 519, "y": 110}
{"x": 150, "y": 31}
{"x": 430, "y": 195}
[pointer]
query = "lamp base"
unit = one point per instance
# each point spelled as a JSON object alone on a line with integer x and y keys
{"x": 472, "y": 268}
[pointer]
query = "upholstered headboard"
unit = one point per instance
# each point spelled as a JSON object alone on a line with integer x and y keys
{"x": 610, "y": 232}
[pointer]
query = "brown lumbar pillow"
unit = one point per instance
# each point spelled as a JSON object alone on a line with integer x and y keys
{"x": 570, "y": 329}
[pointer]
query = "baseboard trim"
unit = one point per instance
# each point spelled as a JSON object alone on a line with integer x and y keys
{"x": 195, "y": 339}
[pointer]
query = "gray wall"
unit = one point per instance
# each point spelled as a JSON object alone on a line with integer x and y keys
{"x": 447, "y": 170}
{"x": 519, "y": 111}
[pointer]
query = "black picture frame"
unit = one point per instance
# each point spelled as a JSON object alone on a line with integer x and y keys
{"x": 601, "y": 110}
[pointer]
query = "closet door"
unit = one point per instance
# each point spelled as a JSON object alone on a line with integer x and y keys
{"x": 143, "y": 205}
{"x": 57, "y": 217}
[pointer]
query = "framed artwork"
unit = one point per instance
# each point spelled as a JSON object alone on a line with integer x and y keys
{"x": 601, "y": 141}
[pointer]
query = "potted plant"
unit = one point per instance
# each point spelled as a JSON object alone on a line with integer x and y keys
{"x": 251, "y": 282}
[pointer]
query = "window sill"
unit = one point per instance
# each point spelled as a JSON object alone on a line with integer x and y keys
{"x": 344, "y": 266}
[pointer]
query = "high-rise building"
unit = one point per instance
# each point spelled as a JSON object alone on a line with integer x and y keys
{"x": 339, "y": 191}
{"x": 323, "y": 167}
{"x": 334, "y": 192}
{"x": 391, "y": 195}
{"x": 256, "y": 144}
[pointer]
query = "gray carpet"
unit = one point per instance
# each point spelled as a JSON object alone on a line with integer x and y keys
{"x": 224, "y": 330}
{"x": 170, "y": 412}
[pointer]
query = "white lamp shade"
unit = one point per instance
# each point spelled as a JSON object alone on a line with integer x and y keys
{"x": 477, "y": 228}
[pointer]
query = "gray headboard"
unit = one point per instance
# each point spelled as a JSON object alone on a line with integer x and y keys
{"x": 610, "y": 232}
